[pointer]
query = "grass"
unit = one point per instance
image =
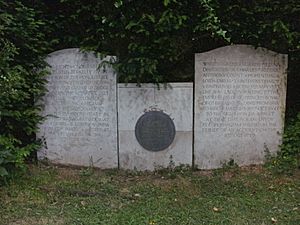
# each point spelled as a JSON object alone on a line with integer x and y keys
{"x": 53, "y": 195}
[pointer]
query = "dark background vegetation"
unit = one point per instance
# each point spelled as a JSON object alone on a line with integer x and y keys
{"x": 154, "y": 41}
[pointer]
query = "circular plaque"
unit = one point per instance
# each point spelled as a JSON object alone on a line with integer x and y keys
{"x": 155, "y": 131}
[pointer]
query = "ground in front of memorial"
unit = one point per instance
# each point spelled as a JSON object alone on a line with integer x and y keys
{"x": 53, "y": 195}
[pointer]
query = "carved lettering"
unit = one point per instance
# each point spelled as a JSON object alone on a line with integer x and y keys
{"x": 242, "y": 99}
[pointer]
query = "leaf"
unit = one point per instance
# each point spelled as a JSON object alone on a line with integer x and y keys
{"x": 166, "y": 2}
{"x": 3, "y": 172}
{"x": 130, "y": 25}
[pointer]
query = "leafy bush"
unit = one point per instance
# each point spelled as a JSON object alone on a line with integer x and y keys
{"x": 288, "y": 158}
{"x": 151, "y": 41}
{"x": 156, "y": 42}
{"x": 22, "y": 47}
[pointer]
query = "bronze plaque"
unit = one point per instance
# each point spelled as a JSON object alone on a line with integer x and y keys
{"x": 155, "y": 131}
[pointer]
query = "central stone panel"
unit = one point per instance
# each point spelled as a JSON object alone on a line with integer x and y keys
{"x": 147, "y": 118}
{"x": 155, "y": 131}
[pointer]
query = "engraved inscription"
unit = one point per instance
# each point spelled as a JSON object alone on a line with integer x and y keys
{"x": 239, "y": 105}
{"x": 78, "y": 93}
{"x": 80, "y": 110}
{"x": 239, "y": 99}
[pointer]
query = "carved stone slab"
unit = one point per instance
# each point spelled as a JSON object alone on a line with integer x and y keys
{"x": 239, "y": 102}
{"x": 135, "y": 104}
{"x": 81, "y": 127}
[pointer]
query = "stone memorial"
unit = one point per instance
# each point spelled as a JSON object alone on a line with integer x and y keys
{"x": 81, "y": 111}
{"x": 155, "y": 126}
{"x": 239, "y": 105}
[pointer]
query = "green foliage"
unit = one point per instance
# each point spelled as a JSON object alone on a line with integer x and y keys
{"x": 22, "y": 47}
{"x": 12, "y": 156}
{"x": 268, "y": 23}
{"x": 151, "y": 41}
{"x": 288, "y": 158}
{"x": 155, "y": 42}
{"x": 229, "y": 165}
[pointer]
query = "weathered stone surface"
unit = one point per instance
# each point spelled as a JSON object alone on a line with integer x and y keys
{"x": 81, "y": 127}
{"x": 240, "y": 96}
{"x": 133, "y": 102}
